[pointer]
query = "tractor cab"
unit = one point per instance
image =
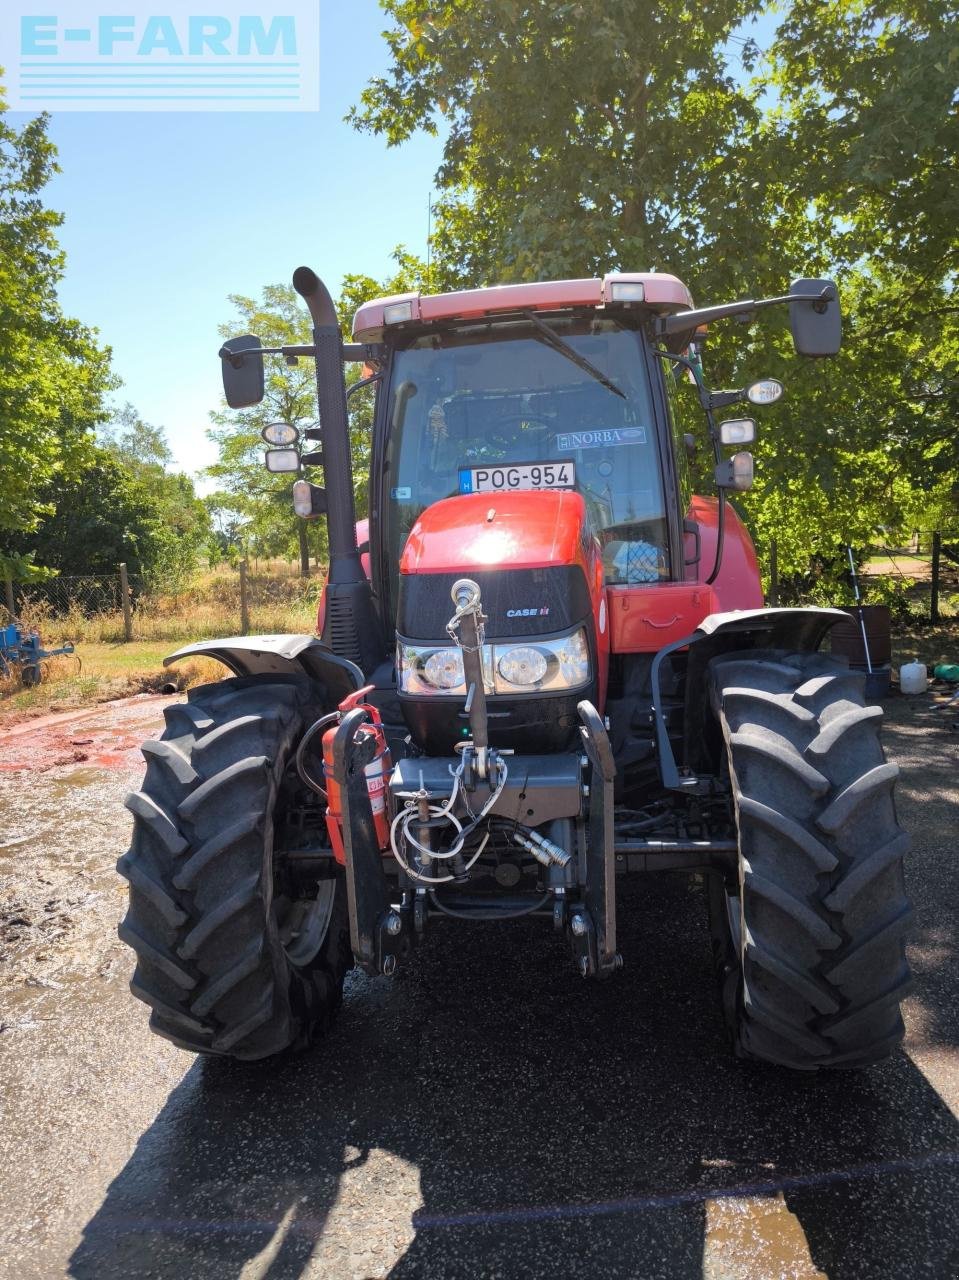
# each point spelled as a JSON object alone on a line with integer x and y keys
{"x": 526, "y": 388}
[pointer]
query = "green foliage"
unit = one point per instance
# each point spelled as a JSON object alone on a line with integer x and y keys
{"x": 580, "y": 136}
{"x": 53, "y": 374}
{"x": 95, "y": 518}
{"x": 584, "y": 137}
{"x": 252, "y": 511}
{"x": 181, "y": 524}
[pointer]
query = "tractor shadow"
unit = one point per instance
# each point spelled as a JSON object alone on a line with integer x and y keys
{"x": 543, "y": 1126}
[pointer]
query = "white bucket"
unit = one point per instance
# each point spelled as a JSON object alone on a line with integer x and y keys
{"x": 913, "y": 678}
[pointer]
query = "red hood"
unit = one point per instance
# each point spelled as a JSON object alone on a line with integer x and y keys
{"x": 524, "y": 530}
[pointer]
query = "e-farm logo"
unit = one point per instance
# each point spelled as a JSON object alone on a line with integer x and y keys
{"x": 185, "y": 55}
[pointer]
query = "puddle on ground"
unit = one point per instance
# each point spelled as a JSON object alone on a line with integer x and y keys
{"x": 62, "y": 829}
{"x": 756, "y": 1236}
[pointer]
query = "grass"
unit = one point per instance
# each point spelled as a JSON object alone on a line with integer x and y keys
{"x": 207, "y": 609}
{"x": 927, "y": 644}
{"x": 105, "y": 671}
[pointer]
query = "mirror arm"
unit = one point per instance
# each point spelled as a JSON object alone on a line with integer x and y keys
{"x": 722, "y": 399}
{"x": 353, "y": 351}
{"x": 684, "y": 321}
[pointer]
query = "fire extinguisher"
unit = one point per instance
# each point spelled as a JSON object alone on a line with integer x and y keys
{"x": 377, "y": 773}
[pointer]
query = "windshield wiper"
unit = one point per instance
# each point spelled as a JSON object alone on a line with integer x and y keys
{"x": 552, "y": 339}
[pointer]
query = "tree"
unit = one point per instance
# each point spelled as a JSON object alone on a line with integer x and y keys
{"x": 252, "y": 505}
{"x": 588, "y": 136}
{"x": 95, "y": 518}
{"x": 53, "y": 373}
{"x": 182, "y": 519}
{"x": 581, "y": 136}
{"x": 868, "y": 109}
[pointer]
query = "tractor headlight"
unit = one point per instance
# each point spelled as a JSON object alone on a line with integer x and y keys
{"x": 430, "y": 669}
{"x": 444, "y": 669}
{"x": 535, "y": 666}
{"x": 523, "y": 665}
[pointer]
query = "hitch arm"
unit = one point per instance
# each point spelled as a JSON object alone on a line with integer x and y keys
{"x": 366, "y": 886}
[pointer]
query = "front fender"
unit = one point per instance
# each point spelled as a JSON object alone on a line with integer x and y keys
{"x": 801, "y": 628}
{"x": 280, "y": 655}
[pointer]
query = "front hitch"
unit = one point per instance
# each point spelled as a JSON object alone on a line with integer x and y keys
{"x": 593, "y": 931}
{"x": 378, "y": 934}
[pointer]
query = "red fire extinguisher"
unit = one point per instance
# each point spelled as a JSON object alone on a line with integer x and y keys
{"x": 377, "y": 773}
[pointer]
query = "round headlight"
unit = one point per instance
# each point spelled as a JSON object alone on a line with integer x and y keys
{"x": 280, "y": 433}
{"x": 766, "y": 391}
{"x": 524, "y": 665}
{"x": 444, "y": 669}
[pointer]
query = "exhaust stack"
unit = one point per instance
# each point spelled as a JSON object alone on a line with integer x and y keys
{"x": 351, "y": 628}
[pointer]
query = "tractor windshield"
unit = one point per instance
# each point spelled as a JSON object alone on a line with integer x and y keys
{"x": 498, "y": 406}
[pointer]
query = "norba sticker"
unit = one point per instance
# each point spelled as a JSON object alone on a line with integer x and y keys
{"x": 601, "y": 438}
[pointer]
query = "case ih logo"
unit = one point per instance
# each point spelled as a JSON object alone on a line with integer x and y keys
{"x": 236, "y": 55}
{"x": 528, "y": 613}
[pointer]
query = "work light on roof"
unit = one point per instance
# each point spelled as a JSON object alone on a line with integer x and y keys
{"x": 398, "y": 312}
{"x": 627, "y": 291}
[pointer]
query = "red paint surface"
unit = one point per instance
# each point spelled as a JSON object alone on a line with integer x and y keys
{"x": 524, "y": 530}
{"x": 663, "y": 293}
{"x": 643, "y": 619}
{"x": 738, "y": 585}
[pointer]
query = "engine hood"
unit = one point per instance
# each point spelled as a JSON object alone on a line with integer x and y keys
{"x": 477, "y": 531}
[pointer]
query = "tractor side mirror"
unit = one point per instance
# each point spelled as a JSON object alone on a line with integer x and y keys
{"x": 816, "y": 325}
{"x": 243, "y": 376}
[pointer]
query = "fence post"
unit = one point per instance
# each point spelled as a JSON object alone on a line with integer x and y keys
{"x": 773, "y": 573}
{"x": 8, "y": 591}
{"x": 934, "y": 594}
{"x": 244, "y": 601}
{"x": 125, "y": 598}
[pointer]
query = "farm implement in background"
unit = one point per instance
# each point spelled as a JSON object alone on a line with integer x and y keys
{"x": 22, "y": 652}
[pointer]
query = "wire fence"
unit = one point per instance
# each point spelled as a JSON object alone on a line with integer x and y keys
{"x": 120, "y": 607}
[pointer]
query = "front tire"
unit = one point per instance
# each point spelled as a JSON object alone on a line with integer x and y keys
{"x": 811, "y": 936}
{"x": 234, "y": 957}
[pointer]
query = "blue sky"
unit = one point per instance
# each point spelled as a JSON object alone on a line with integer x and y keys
{"x": 168, "y": 213}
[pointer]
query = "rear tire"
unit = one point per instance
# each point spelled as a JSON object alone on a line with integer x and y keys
{"x": 811, "y": 938}
{"x": 232, "y": 957}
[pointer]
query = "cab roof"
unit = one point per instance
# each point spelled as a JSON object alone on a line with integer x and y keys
{"x": 662, "y": 294}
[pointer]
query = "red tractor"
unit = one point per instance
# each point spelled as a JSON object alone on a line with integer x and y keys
{"x": 546, "y": 666}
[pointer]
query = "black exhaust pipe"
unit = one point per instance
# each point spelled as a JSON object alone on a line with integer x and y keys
{"x": 351, "y": 628}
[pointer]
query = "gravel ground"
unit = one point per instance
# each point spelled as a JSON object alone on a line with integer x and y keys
{"x": 486, "y": 1113}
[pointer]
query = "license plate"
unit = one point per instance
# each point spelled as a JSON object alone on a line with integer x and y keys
{"x": 522, "y": 475}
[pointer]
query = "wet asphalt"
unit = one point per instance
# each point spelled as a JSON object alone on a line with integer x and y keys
{"x": 485, "y": 1113}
